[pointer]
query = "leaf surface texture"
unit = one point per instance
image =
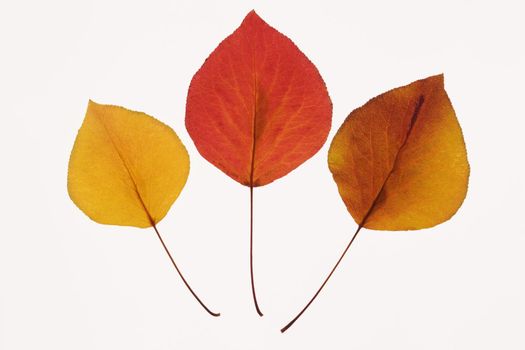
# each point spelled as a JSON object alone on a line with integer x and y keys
{"x": 126, "y": 167}
{"x": 257, "y": 108}
{"x": 400, "y": 161}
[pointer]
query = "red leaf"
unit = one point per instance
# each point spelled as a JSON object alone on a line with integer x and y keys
{"x": 257, "y": 108}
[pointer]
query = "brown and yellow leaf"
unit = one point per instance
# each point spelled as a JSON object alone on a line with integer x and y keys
{"x": 400, "y": 161}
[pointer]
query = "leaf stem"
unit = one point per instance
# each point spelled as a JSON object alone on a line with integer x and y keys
{"x": 325, "y": 281}
{"x": 413, "y": 120}
{"x": 181, "y": 276}
{"x": 251, "y": 254}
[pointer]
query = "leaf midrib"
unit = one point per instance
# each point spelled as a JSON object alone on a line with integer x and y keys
{"x": 128, "y": 169}
{"x": 413, "y": 121}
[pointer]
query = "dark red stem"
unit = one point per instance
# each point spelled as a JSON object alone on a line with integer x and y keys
{"x": 325, "y": 281}
{"x": 181, "y": 276}
{"x": 251, "y": 254}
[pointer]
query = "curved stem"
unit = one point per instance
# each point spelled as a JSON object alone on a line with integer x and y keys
{"x": 251, "y": 254}
{"x": 413, "y": 120}
{"x": 325, "y": 281}
{"x": 181, "y": 276}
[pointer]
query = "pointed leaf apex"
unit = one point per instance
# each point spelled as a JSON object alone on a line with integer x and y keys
{"x": 438, "y": 79}
{"x": 92, "y": 105}
{"x": 252, "y": 17}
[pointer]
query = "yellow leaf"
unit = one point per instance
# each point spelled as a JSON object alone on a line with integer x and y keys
{"x": 126, "y": 168}
{"x": 400, "y": 161}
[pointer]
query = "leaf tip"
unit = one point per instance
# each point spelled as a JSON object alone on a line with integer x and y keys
{"x": 438, "y": 79}
{"x": 252, "y": 17}
{"x": 92, "y": 103}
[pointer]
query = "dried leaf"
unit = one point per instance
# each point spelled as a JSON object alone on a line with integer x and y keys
{"x": 257, "y": 108}
{"x": 126, "y": 168}
{"x": 400, "y": 161}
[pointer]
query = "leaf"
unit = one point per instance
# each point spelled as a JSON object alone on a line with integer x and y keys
{"x": 400, "y": 161}
{"x": 126, "y": 168}
{"x": 257, "y": 108}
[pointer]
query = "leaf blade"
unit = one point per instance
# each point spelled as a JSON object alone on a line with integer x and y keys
{"x": 257, "y": 108}
{"x": 389, "y": 181}
{"x": 126, "y": 168}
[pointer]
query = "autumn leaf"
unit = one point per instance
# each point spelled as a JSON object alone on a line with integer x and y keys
{"x": 127, "y": 168}
{"x": 400, "y": 162}
{"x": 257, "y": 108}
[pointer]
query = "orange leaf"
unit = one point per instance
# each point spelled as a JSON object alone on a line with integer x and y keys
{"x": 399, "y": 162}
{"x": 257, "y": 108}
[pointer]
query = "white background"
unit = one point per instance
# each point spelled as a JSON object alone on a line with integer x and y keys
{"x": 69, "y": 283}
